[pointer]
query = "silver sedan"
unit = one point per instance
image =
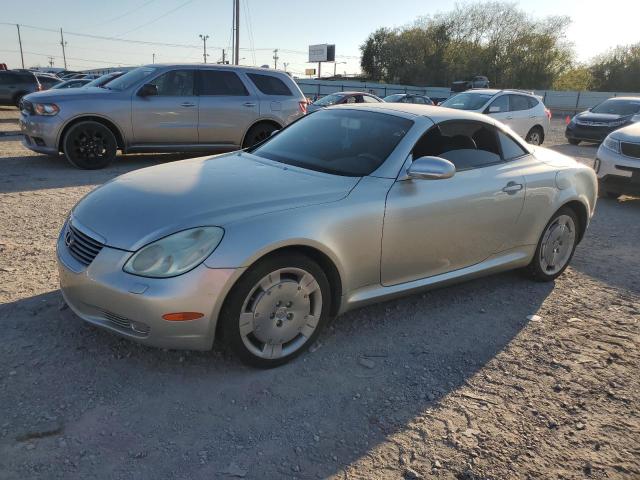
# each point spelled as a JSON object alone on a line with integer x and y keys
{"x": 345, "y": 207}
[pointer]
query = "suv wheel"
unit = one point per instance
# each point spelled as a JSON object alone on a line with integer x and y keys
{"x": 258, "y": 133}
{"x": 90, "y": 145}
{"x": 573, "y": 141}
{"x": 18, "y": 98}
{"x": 535, "y": 136}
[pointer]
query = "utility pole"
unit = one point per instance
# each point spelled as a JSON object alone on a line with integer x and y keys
{"x": 286, "y": 64}
{"x": 64, "y": 54}
{"x": 204, "y": 40}
{"x": 153, "y": 58}
{"x": 20, "y": 42}
{"x": 236, "y": 20}
{"x": 275, "y": 59}
{"x": 224, "y": 57}
{"x": 51, "y": 62}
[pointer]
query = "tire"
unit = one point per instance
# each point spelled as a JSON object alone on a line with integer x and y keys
{"x": 258, "y": 133}
{"x": 18, "y": 98}
{"x": 286, "y": 296}
{"x": 573, "y": 141}
{"x": 90, "y": 145}
{"x": 535, "y": 136}
{"x": 541, "y": 269}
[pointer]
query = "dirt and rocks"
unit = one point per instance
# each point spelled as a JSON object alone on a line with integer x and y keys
{"x": 498, "y": 378}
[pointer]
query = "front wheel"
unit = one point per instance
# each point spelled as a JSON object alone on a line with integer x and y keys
{"x": 535, "y": 136}
{"x": 573, "y": 141}
{"x": 276, "y": 310}
{"x": 90, "y": 145}
{"x": 555, "y": 247}
{"x": 258, "y": 133}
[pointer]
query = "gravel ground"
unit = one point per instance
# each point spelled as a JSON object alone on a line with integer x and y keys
{"x": 498, "y": 378}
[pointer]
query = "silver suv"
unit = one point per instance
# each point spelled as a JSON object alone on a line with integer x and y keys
{"x": 161, "y": 108}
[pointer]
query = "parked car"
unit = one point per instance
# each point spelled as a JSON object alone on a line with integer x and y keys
{"x": 162, "y": 108}
{"x": 523, "y": 111}
{"x": 71, "y": 84}
{"x": 351, "y": 205}
{"x": 14, "y": 84}
{"x": 408, "y": 98}
{"x": 479, "y": 81}
{"x": 47, "y": 81}
{"x": 618, "y": 162}
{"x": 102, "y": 80}
{"x": 598, "y": 122}
{"x": 339, "y": 98}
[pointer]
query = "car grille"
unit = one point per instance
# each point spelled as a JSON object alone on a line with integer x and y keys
{"x": 26, "y": 107}
{"x": 125, "y": 324}
{"x": 82, "y": 247}
{"x": 630, "y": 149}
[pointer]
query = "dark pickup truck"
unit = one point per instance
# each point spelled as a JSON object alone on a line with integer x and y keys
{"x": 478, "y": 81}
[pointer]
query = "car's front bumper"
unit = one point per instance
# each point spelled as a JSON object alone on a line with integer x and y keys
{"x": 617, "y": 173}
{"x": 40, "y": 132}
{"x": 131, "y": 306}
{"x": 587, "y": 133}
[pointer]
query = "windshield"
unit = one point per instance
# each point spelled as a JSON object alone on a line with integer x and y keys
{"x": 130, "y": 78}
{"x": 394, "y": 98}
{"x": 103, "y": 80}
{"x": 618, "y": 107}
{"x": 467, "y": 101}
{"x": 329, "y": 99}
{"x": 341, "y": 142}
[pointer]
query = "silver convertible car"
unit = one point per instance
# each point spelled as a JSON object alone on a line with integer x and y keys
{"x": 347, "y": 206}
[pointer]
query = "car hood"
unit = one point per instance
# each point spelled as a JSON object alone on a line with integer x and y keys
{"x": 142, "y": 206}
{"x": 630, "y": 133}
{"x": 61, "y": 94}
{"x": 600, "y": 117}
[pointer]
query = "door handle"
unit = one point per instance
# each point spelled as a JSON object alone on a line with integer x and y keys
{"x": 509, "y": 118}
{"x": 249, "y": 104}
{"x": 187, "y": 104}
{"x": 512, "y": 188}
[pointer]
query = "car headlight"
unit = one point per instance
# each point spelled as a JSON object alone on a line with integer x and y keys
{"x": 49, "y": 109}
{"x": 176, "y": 254}
{"x": 612, "y": 144}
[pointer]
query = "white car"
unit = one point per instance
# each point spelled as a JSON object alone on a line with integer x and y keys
{"x": 524, "y": 112}
{"x": 618, "y": 163}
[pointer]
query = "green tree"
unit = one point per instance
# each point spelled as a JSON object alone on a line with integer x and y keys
{"x": 577, "y": 79}
{"x": 618, "y": 70}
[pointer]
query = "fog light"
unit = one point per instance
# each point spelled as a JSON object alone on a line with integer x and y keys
{"x": 182, "y": 316}
{"x": 596, "y": 165}
{"x": 38, "y": 141}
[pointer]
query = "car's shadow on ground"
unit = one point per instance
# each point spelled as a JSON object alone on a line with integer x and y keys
{"x": 56, "y": 172}
{"x": 129, "y": 404}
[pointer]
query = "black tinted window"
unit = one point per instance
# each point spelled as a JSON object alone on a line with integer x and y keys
{"x": 218, "y": 82}
{"x": 176, "y": 83}
{"x": 466, "y": 144}
{"x": 533, "y": 102}
{"x": 342, "y": 142}
{"x": 519, "y": 102}
{"x": 618, "y": 107}
{"x": 510, "y": 149}
{"x": 269, "y": 85}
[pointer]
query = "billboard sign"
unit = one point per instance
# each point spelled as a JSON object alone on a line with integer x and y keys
{"x": 322, "y": 53}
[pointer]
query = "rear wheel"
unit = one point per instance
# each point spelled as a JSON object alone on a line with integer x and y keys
{"x": 573, "y": 141}
{"x": 18, "y": 98}
{"x": 276, "y": 310}
{"x": 258, "y": 133}
{"x": 90, "y": 145}
{"x": 535, "y": 136}
{"x": 555, "y": 247}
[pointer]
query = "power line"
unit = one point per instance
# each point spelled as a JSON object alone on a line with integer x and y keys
{"x": 157, "y": 18}
{"x": 125, "y": 13}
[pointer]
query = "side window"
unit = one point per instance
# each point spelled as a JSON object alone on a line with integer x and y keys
{"x": 466, "y": 144}
{"x": 269, "y": 85}
{"x": 220, "y": 82}
{"x": 176, "y": 83}
{"x": 369, "y": 99}
{"x": 533, "y": 102}
{"x": 418, "y": 100}
{"x": 359, "y": 99}
{"x": 510, "y": 149}
{"x": 5, "y": 79}
{"x": 501, "y": 103}
{"x": 351, "y": 99}
{"x": 519, "y": 102}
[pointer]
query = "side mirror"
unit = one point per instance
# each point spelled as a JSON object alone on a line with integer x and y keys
{"x": 431, "y": 168}
{"x": 148, "y": 90}
{"x": 494, "y": 109}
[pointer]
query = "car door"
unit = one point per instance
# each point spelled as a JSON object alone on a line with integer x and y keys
{"x": 437, "y": 226}
{"x": 171, "y": 116}
{"x": 522, "y": 115}
{"x": 227, "y": 108}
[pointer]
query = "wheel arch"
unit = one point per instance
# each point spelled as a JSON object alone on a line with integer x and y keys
{"x": 267, "y": 120}
{"x": 92, "y": 118}
{"x": 582, "y": 212}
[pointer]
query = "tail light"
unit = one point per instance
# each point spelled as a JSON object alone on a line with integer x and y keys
{"x": 303, "y": 106}
{"x": 548, "y": 112}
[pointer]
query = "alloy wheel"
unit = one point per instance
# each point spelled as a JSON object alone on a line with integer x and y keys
{"x": 557, "y": 244}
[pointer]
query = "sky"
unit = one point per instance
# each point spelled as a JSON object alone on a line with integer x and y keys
{"x": 288, "y": 25}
